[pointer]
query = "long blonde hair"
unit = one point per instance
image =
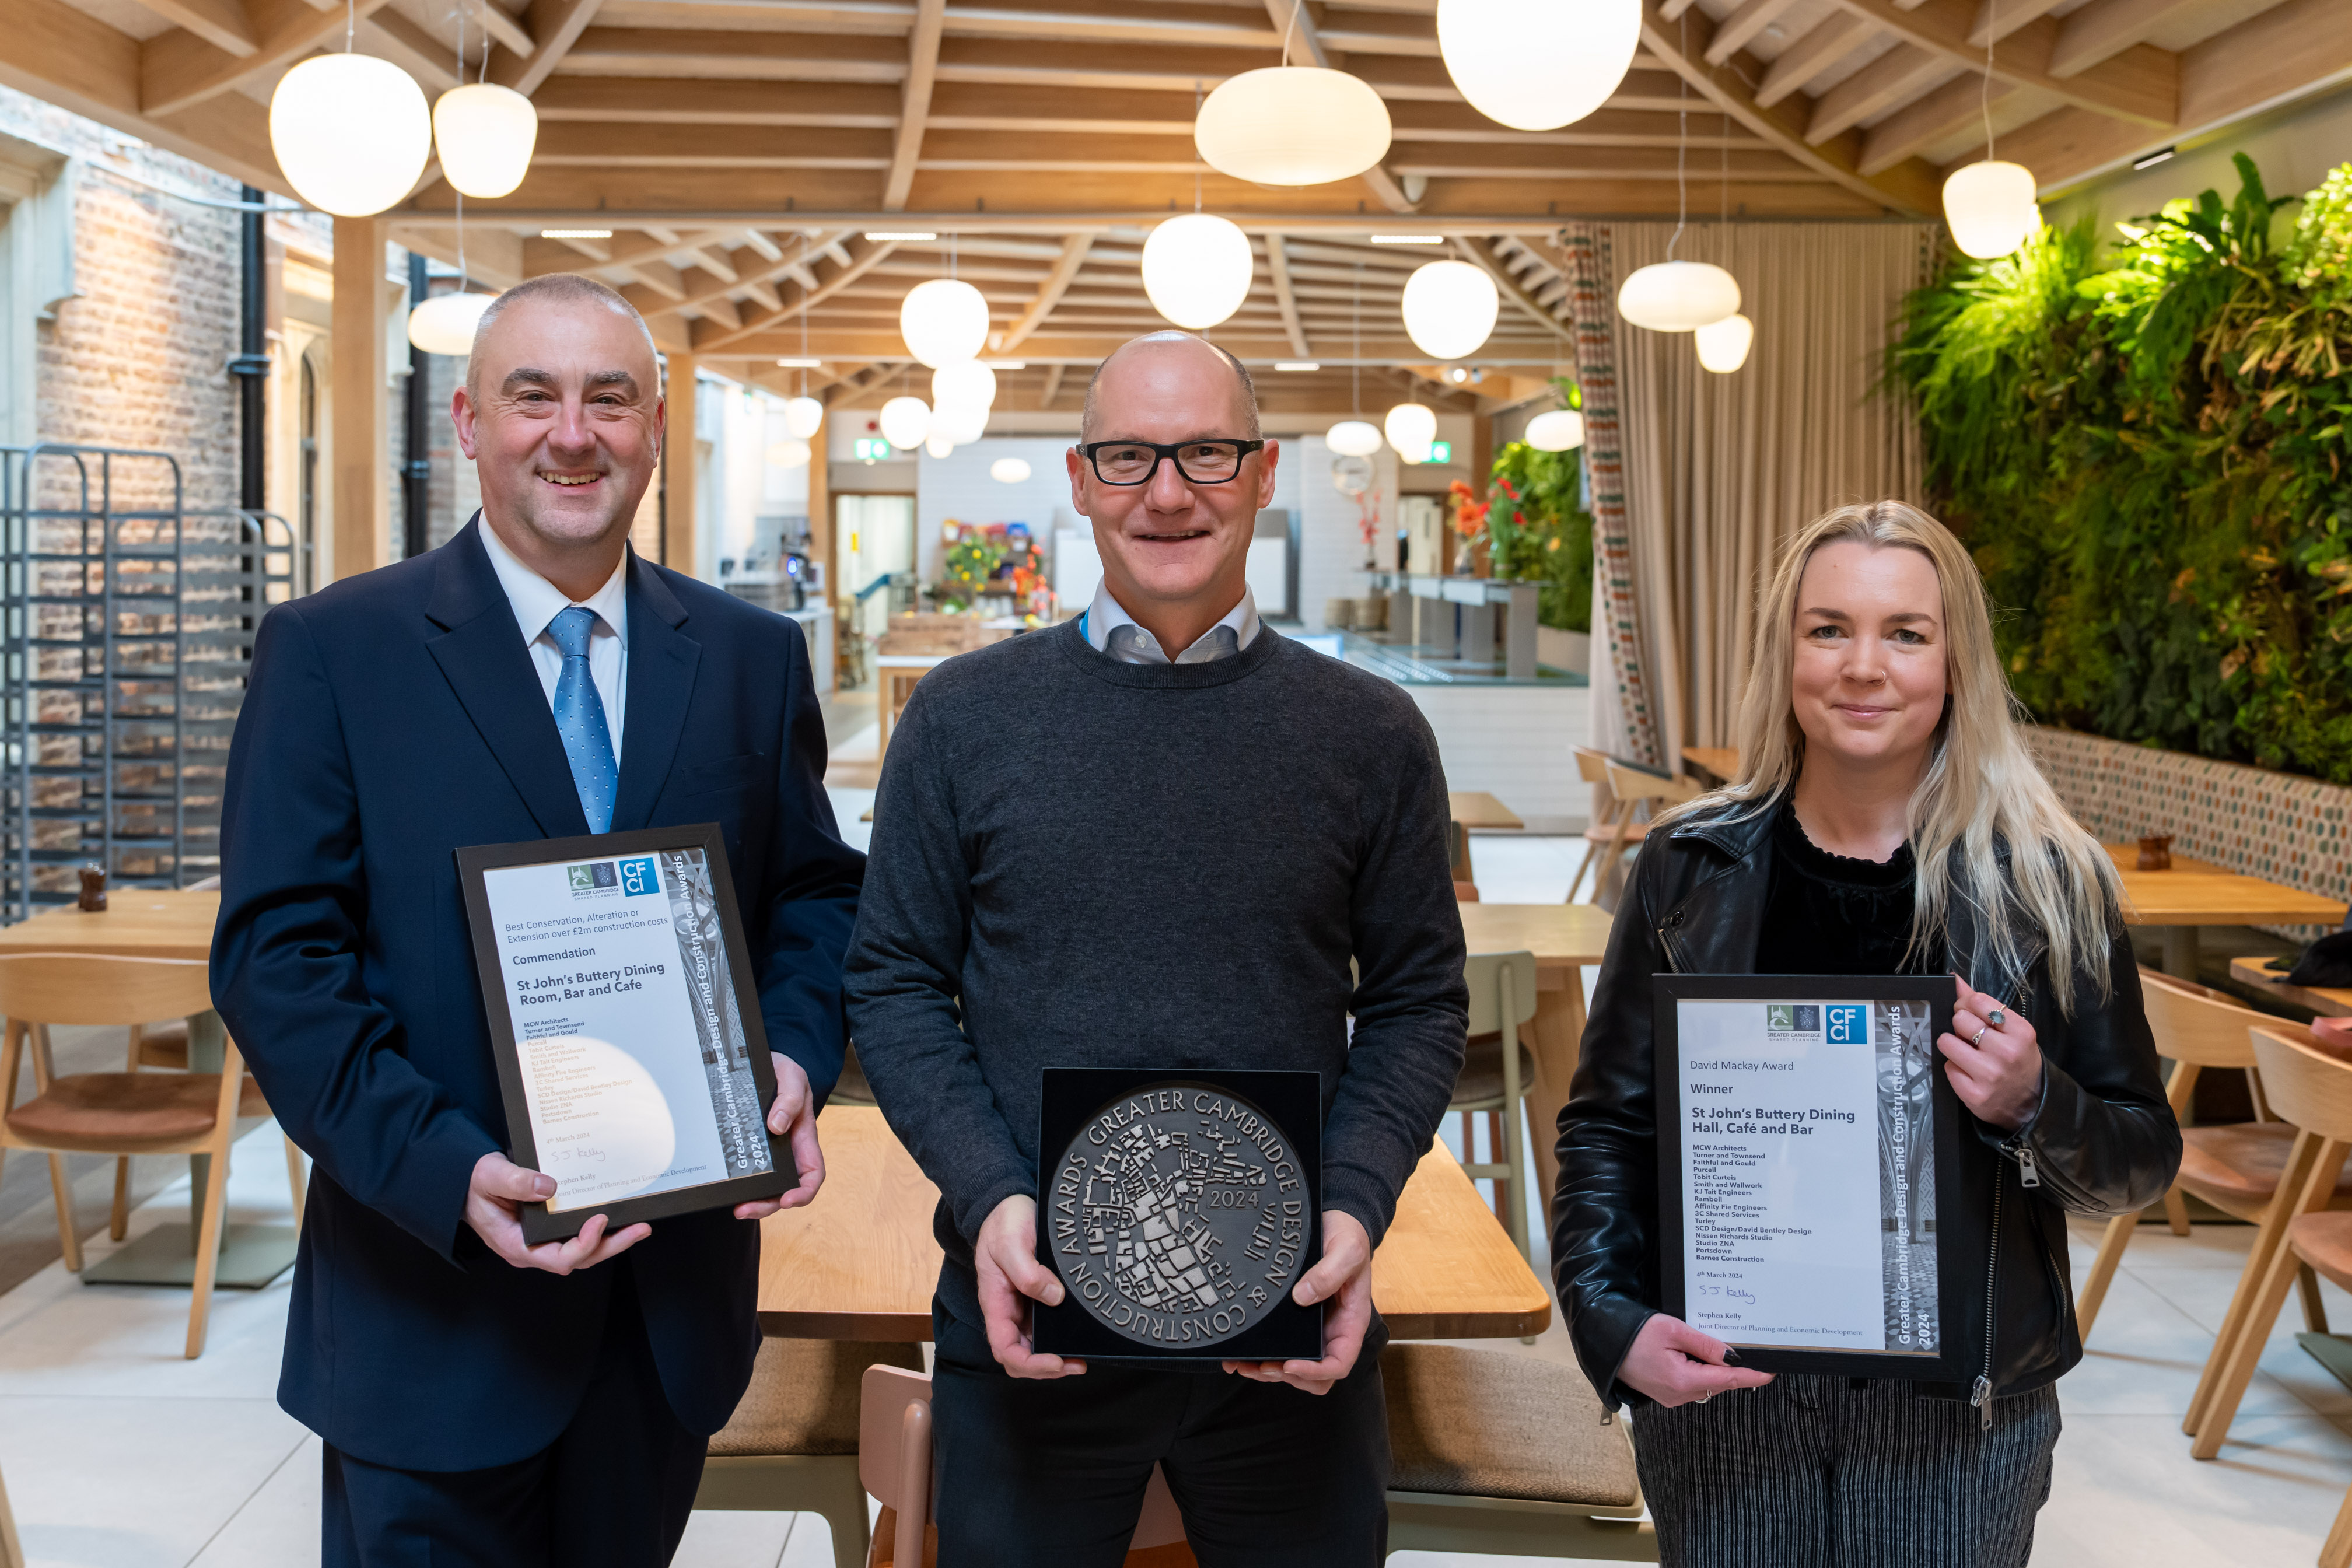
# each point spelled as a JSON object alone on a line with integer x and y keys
{"x": 1981, "y": 790}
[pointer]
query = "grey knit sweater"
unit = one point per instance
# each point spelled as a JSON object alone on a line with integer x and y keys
{"x": 1154, "y": 866}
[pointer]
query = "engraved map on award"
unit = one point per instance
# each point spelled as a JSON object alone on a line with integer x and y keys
{"x": 1179, "y": 1215}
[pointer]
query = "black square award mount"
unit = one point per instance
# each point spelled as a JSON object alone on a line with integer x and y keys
{"x": 1179, "y": 1208}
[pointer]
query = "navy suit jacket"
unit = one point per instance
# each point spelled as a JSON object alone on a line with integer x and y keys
{"x": 389, "y": 719}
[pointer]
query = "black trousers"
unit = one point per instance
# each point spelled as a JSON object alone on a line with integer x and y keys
{"x": 1053, "y": 1473}
{"x": 614, "y": 1491}
{"x": 1833, "y": 1472}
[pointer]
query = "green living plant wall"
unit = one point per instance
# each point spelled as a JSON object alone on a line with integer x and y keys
{"x": 2145, "y": 452}
{"x": 1537, "y": 528}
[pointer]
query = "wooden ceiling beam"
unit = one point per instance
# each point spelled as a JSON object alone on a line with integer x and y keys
{"x": 1893, "y": 79}
{"x": 1483, "y": 254}
{"x": 915, "y": 102}
{"x": 512, "y": 35}
{"x": 2105, "y": 28}
{"x": 1928, "y": 119}
{"x": 718, "y": 277}
{"x": 223, "y": 23}
{"x": 738, "y": 56}
{"x": 1277, "y": 263}
{"x": 390, "y": 36}
{"x": 1049, "y": 293}
{"x": 620, "y": 145}
{"x": 1735, "y": 32}
{"x": 178, "y": 71}
{"x": 2141, "y": 83}
{"x": 833, "y": 277}
{"x": 1906, "y": 189}
{"x": 1305, "y": 45}
{"x": 556, "y": 28}
{"x": 1824, "y": 44}
{"x": 830, "y": 105}
{"x": 1997, "y": 19}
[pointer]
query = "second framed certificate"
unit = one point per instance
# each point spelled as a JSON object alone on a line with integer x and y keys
{"x": 1807, "y": 1164}
{"x": 625, "y": 1025}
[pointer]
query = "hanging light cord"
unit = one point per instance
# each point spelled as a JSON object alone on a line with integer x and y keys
{"x": 1196, "y": 159}
{"x": 1984, "y": 99}
{"x": 1356, "y": 354}
{"x": 1292, "y": 27}
{"x": 1682, "y": 146}
{"x": 351, "y": 23}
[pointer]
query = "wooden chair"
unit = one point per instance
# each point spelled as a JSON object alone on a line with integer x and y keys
{"x": 2312, "y": 1092}
{"x": 1508, "y": 1454}
{"x": 166, "y": 1046}
{"x": 792, "y": 1444}
{"x": 852, "y": 1088}
{"x": 2234, "y": 1168}
{"x": 1630, "y": 790}
{"x": 1494, "y": 1080}
{"x": 1465, "y": 893}
{"x": 894, "y": 1462}
{"x": 119, "y": 1113}
{"x": 12, "y": 1550}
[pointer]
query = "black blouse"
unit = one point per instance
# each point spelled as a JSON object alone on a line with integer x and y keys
{"x": 1829, "y": 914}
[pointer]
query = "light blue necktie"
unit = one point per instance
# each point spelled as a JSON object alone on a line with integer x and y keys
{"x": 580, "y": 719}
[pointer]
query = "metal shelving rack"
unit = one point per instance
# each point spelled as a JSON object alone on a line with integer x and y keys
{"x": 126, "y": 633}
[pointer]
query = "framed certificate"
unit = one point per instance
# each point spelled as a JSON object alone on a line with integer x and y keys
{"x": 1179, "y": 1208}
{"x": 625, "y": 1025}
{"x": 1808, "y": 1150}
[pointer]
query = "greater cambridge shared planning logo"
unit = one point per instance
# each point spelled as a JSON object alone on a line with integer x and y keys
{"x": 629, "y": 878}
{"x": 1793, "y": 1017}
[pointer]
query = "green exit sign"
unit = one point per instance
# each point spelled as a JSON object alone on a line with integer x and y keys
{"x": 1441, "y": 451}
{"x": 870, "y": 449}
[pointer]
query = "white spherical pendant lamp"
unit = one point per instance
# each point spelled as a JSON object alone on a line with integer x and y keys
{"x": 1990, "y": 207}
{"x": 803, "y": 417}
{"x": 905, "y": 421}
{"x": 484, "y": 134}
{"x": 1723, "y": 345}
{"x": 1197, "y": 269}
{"x": 943, "y": 321}
{"x": 445, "y": 323}
{"x": 1677, "y": 296}
{"x": 1292, "y": 126}
{"x": 351, "y": 132}
{"x": 1353, "y": 438}
{"x": 1409, "y": 425}
{"x": 1009, "y": 470}
{"x": 789, "y": 453}
{"x": 1449, "y": 308}
{"x": 1561, "y": 430}
{"x": 937, "y": 444}
{"x": 1538, "y": 65}
{"x": 967, "y": 384}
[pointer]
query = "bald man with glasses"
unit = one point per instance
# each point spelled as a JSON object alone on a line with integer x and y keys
{"x": 1156, "y": 837}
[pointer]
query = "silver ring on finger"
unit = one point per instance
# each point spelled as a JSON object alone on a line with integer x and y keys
{"x": 1702, "y": 1398}
{"x": 1979, "y": 1034}
{"x": 1996, "y": 1018}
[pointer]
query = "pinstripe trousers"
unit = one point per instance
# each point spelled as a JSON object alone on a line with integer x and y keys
{"x": 1833, "y": 1472}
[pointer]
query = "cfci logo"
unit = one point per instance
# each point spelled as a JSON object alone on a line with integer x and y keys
{"x": 638, "y": 876}
{"x": 1849, "y": 1024}
{"x": 594, "y": 878}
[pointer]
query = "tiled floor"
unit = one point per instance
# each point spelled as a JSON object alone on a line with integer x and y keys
{"x": 120, "y": 1454}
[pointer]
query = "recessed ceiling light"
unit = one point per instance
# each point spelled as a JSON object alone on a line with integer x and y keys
{"x": 1006, "y": 364}
{"x": 1296, "y": 365}
{"x": 576, "y": 234}
{"x": 1408, "y": 239}
{"x": 2161, "y": 155}
{"x": 898, "y": 235}
{"x": 800, "y": 364}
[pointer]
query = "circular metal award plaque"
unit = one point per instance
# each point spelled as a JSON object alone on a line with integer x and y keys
{"x": 1188, "y": 1212}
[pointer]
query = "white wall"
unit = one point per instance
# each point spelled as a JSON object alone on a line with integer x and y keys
{"x": 957, "y": 487}
{"x": 2294, "y": 151}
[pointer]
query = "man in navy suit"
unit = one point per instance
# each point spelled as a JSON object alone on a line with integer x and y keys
{"x": 484, "y": 1402}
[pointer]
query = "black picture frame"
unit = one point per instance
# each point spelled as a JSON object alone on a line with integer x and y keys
{"x": 1959, "y": 1271}
{"x": 539, "y": 1225}
{"x": 1070, "y": 1098}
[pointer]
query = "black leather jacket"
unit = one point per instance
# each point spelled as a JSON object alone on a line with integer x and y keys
{"x": 2104, "y": 1141}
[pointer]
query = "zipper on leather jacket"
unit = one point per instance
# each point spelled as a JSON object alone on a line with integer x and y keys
{"x": 1980, "y": 1394}
{"x": 1666, "y": 941}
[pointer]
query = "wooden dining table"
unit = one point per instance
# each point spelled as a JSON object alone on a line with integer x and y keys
{"x": 2270, "y": 973}
{"x": 2194, "y": 893}
{"x": 860, "y": 1263}
{"x": 177, "y": 923}
{"x": 1565, "y": 939}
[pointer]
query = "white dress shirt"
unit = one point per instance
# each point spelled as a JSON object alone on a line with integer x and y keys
{"x": 1111, "y": 630}
{"x": 537, "y": 601}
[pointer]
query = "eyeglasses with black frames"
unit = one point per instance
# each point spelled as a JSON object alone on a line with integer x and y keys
{"x": 1199, "y": 462}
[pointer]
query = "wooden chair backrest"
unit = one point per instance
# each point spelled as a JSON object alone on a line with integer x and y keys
{"x": 1635, "y": 783}
{"x": 90, "y": 988}
{"x": 2189, "y": 1027}
{"x": 2307, "y": 1088}
{"x": 1502, "y": 990}
{"x": 1591, "y": 766}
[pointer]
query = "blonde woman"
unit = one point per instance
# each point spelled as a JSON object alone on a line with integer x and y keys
{"x": 1887, "y": 819}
